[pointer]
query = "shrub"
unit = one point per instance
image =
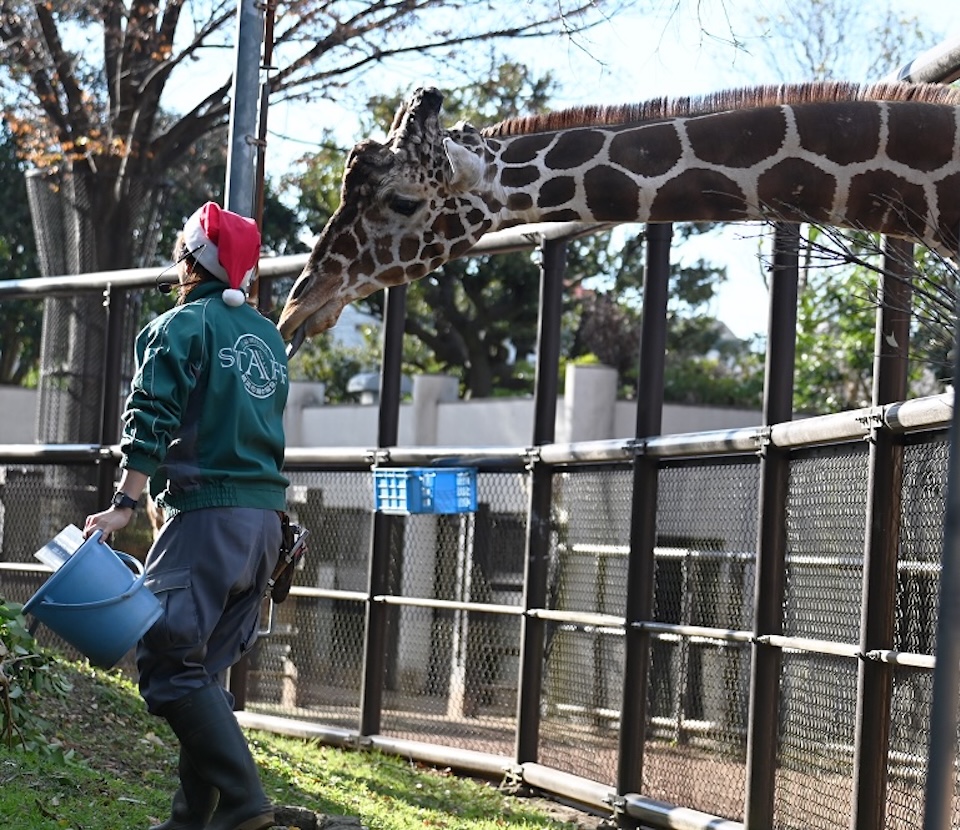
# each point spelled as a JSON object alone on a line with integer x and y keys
{"x": 25, "y": 669}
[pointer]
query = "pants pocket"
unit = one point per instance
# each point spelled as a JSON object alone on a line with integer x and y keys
{"x": 178, "y": 627}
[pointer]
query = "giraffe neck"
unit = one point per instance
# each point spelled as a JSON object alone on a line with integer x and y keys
{"x": 890, "y": 167}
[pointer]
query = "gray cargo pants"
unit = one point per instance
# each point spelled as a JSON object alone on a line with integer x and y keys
{"x": 209, "y": 569}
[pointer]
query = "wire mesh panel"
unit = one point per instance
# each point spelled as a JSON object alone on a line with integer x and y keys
{"x": 925, "y": 468}
{"x": 583, "y": 677}
{"x": 698, "y": 689}
{"x": 452, "y": 673}
{"x": 826, "y": 527}
{"x": 921, "y": 544}
{"x": 909, "y": 739}
{"x": 815, "y": 754}
{"x": 37, "y": 502}
{"x": 310, "y": 664}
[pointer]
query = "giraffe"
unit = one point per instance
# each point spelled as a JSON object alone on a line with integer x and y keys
{"x": 882, "y": 158}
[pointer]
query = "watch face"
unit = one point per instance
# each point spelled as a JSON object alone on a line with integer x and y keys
{"x": 123, "y": 500}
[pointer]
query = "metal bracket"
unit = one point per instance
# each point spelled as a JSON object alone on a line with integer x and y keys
{"x": 764, "y": 440}
{"x": 872, "y": 421}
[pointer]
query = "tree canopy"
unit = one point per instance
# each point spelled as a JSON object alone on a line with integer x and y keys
{"x": 118, "y": 92}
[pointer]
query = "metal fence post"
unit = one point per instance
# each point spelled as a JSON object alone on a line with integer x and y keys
{"x": 771, "y": 542}
{"x": 532, "y": 632}
{"x": 643, "y": 520}
{"x": 384, "y": 526}
{"x": 878, "y": 606}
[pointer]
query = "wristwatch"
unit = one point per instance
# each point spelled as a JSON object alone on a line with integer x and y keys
{"x": 121, "y": 499}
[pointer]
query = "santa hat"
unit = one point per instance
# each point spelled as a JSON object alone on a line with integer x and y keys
{"x": 227, "y": 245}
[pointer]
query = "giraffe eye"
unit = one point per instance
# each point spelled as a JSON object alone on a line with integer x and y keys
{"x": 403, "y": 205}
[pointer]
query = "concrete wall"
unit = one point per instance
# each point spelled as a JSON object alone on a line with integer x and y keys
{"x": 588, "y": 411}
{"x": 18, "y": 415}
{"x": 435, "y": 417}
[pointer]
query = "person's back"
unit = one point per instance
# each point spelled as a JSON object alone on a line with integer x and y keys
{"x": 203, "y": 424}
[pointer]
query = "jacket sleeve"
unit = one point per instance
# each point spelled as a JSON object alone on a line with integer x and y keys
{"x": 169, "y": 355}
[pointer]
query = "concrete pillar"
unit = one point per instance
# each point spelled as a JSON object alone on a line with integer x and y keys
{"x": 420, "y": 542}
{"x": 589, "y": 402}
{"x": 428, "y": 392}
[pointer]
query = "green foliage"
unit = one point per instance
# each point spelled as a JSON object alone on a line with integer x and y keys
{"x": 704, "y": 363}
{"x": 25, "y": 670}
{"x": 836, "y": 322}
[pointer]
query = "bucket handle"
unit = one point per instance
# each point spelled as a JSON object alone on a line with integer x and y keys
{"x": 100, "y": 603}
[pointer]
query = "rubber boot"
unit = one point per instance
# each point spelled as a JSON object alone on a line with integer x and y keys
{"x": 212, "y": 738}
{"x": 193, "y": 802}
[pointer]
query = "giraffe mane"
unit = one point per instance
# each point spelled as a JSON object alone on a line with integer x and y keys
{"x": 596, "y": 115}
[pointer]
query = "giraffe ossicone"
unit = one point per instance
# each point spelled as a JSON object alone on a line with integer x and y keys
{"x": 883, "y": 158}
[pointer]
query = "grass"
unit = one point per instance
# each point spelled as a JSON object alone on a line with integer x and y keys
{"x": 115, "y": 769}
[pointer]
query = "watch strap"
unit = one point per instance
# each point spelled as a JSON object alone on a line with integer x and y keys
{"x": 121, "y": 499}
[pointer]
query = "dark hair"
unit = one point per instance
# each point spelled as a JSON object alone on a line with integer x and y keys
{"x": 198, "y": 273}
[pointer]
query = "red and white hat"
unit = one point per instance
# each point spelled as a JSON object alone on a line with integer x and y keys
{"x": 227, "y": 245}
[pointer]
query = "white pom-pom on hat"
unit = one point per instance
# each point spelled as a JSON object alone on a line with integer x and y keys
{"x": 227, "y": 245}
{"x": 234, "y": 297}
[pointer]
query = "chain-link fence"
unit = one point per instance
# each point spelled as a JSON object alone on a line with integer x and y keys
{"x": 456, "y": 607}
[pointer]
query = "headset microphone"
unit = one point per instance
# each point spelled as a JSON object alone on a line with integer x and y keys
{"x": 164, "y": 287}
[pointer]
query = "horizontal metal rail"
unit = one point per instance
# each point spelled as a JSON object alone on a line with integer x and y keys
{"x": 520, "y": 238}
{"x": 930, "y": 413}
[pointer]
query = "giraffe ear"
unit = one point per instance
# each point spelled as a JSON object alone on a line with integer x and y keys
{"x": 465, "y": 164}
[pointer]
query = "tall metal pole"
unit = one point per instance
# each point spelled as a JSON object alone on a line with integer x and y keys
{"x": 882, "y": 543}
{"x": 771, "y": 535}
{"x": 643, "y": 518}
{"x": 240, "y": 192}
{"x": 385, "y": 527}
{"x": 240, "y": 189}
{"x": 941, "y": 774}
{"x": 546, "y": 382}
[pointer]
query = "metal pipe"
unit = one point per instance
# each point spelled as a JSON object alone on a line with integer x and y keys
{"x": 570, "y": 788}
{"x": 661, "y": 814}
{"x": 449, "y": 604}
{"x": 828, "y": 647}
{"x": 328, "y": 735}
{"x": 537, "y": 553}
{"x": 383, "y": 526}
{"x": 941, "y": 64}
{"x": 771, "y": 534}
{"x": 881, "y": 542}
{"x": 941, "y": 773}
{"x": 480, "y": 764}
{"x": 240, "y": 191}
{"x": 643, "y": 511}
{"x": 520, "y": 238}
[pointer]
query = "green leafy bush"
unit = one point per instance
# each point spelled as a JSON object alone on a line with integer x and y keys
{"x": 24, "y": 669}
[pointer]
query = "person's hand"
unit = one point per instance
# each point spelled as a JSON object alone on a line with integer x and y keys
{"x": 109, "y": 520}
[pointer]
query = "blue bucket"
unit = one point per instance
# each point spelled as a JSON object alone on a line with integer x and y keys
{"x": 97, "y": 603}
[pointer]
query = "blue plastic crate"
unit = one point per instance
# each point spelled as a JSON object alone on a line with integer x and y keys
{"x": 403, "y": 490}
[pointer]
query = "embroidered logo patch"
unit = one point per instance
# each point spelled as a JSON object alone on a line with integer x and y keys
{"x": 259, "y": 370}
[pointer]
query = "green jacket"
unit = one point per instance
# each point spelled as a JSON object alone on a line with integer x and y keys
{"x": 204, "y": 418}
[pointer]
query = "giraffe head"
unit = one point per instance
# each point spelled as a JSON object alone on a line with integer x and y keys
{"x": 407, "y": 206}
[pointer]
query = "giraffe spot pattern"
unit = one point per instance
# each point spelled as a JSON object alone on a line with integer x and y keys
{"x": 557, "y": 191}
{"x": 718, "y": 197}
{"x": 797, "y": 189}
{"x": 849, "y": 135}
{"x": 574, "y": 149}
{"x": 922, "y": 137}
{"x": 609, "y": 193}
{"x": 749, "y": 137}
{"x": 655, "y": 155}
